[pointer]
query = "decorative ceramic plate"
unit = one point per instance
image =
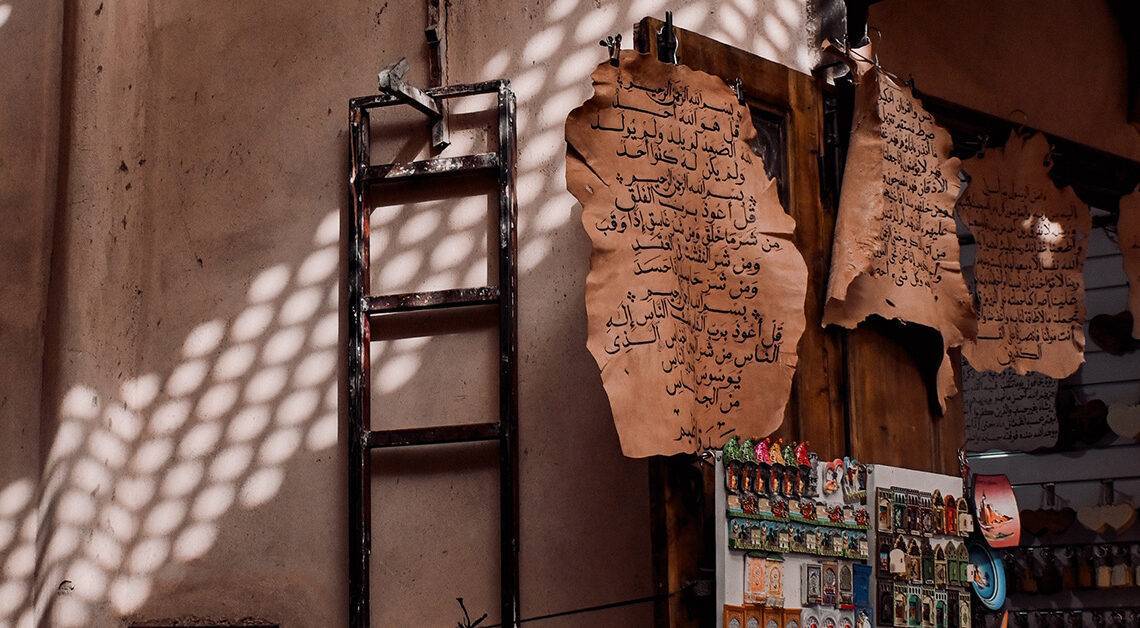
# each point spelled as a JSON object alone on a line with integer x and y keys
{"x": 989, "y": 576}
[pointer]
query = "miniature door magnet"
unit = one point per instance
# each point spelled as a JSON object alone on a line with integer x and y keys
{"x": 883, "y": 510}
{"x": 884, "y": 615}
{"x": 854, "y": 481}
{"x": 830, "y": 594}
{"x": 900, "y": 607}
{"x": 950, "y": 512}
{"x": 775, "y": 570}
{"x": 898, "y": 564}
{"x": 811, "y": 585}
{"x": 832, "y": 476}
{"x": 965, "y": 520}
{"x": 846, "y": 585}
{"x": 755, "y": 579}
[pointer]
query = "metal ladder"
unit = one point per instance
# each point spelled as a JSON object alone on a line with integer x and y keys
{"x": 366, "y": 313}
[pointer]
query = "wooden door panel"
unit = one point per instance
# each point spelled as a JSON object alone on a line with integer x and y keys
{"x": 787, "y": 107}
{"x": 861, "y": 392}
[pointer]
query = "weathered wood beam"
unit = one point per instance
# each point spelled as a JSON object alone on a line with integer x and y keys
{"x": 1127, "y": 14}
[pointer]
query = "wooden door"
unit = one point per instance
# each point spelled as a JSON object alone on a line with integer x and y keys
{"x": 787, "y": 110}
{"x": 861, "y": 393}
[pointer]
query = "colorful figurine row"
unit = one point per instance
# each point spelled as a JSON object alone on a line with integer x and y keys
{"x": 767, "y": 468}
{"x": 800, "y": 510}
{"x": 915, "y": 560}
{"x": 914, "y": 606}
{"x": 905, "y": 511}
{"x": 804, "y": 538}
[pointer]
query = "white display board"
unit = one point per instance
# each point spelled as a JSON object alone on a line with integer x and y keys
{"x": 730, "y": 563}
{"x": 887, "y": 477}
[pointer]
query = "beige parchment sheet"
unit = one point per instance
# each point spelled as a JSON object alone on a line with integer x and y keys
{"x": 695, "y": 295}
{"x": 895, "y": 252}
{"x": 1029, "y": 274}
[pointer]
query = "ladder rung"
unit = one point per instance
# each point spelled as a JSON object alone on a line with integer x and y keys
{"x": 470, "y": 433}
{"x": 413, "y": 301}
{"x": 439, "y": 167}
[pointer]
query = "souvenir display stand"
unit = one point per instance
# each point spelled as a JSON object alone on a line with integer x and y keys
{"x": 1064, "y": 573}
{"x": 792, "y": 539}
{"x": 921, "y": 575}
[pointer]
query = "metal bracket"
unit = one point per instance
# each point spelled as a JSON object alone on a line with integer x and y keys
{"x": 667, "y": 41}
{"x": 738, "y": 89}
{"x": 391, "y": 82}
{"x": 613, "y": 44}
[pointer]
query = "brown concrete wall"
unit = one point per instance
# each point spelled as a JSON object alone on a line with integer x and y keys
{"x": 1061, "y": 62}
{"x": 30, "y": 42}
{"x": 191, "y": 450}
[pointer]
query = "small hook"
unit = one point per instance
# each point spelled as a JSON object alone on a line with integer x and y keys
{"x": 1020, "y": 129}
{"x": 667, "y": 41}
{"x": 738, "y": 89}
{"x": 613, "y": 44}
{"x": 1050, "y": 495}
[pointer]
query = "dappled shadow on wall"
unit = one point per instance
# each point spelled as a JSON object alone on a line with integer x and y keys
{"x": 144, "y": 478}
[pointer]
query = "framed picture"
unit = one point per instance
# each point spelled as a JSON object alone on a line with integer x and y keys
{"x": 775, "y": 571}
{"x": 846, "y": 584}
{"x": 830, "y": 595}
{"x": 755, "y": 579}
{"x": 792, "y": 617}
{"x": 884, "y": 611}
{"x": 811, "y": 585}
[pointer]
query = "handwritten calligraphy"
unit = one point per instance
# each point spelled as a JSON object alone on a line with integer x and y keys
{"x": 1028, "y": 277}
{"x": 896, "y": 247}
{"x": 1008, "y": 411}
{"x": 695, "y": 295}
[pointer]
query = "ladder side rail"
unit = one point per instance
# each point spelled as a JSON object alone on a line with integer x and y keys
{"x": 508, "y": 364}
{"x": 358, "y": 388}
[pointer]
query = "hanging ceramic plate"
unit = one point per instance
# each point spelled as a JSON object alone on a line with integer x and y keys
{"x": 988, "y": 576}
{"x": 996, "y": 508}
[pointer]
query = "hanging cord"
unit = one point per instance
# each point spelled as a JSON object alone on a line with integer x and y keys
{"x": 855, "y": 55}
{"x": 591, "y": 609}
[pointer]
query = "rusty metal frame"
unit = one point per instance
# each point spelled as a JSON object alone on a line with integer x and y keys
{"x": 366, "y": 312}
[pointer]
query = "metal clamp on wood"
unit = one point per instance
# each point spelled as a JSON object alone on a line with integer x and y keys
{"x": 738, "y": 89}
{"x": 613, "y": 44}
{"x": 391, "y": 82}
{"x": 667, "y": 41}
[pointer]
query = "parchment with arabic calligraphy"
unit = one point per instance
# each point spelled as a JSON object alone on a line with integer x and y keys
{"x": 695, "y": 296}
{"x": 1128, "y": 237}
{"x": 1028, "y": 277}
{"x": 1008, "y": 411}
{"x": 895, "y": 252}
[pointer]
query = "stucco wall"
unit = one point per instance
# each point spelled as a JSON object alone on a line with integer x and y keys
{"x": 190, "y": 447}
{"x": 191, "y": 450}
{"x": 29, "y": 90}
